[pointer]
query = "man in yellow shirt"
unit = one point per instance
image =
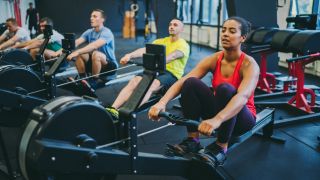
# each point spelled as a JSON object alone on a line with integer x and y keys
{"x": 177, "y": 54}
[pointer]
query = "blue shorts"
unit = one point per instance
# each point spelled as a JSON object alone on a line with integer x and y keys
{"x": 167, "y": 79}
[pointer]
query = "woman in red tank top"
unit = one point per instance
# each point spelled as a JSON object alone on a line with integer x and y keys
{"x": 229, "y": 108}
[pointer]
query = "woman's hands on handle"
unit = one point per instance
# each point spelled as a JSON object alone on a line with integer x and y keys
{"x": 206, "y": 127}
{"x": 155, "y": 109}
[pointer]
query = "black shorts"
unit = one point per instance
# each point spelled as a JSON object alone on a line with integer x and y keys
{"x": 109, "y": 67}
{"x": 167, "y": 79}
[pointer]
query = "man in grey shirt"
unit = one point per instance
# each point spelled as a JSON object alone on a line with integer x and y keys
{"x": 14, "y": 34}
{"x": 54, "y": 45}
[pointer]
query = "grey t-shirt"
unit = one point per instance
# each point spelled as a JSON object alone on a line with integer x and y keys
{"x": 55, "y": 37}
{"x": 91, "y": 35}
{"x": 22, "y": 34}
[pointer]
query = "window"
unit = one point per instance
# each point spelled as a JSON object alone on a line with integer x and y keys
{"x": 305, "y": 7}
{"x": 214, "y": 15}
{"x": 183, "y": 10}
{"x": 204, "y": 11}
{"x": 301, "y": 7}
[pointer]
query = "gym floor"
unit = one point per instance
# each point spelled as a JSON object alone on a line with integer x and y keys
{"x": 298, "y": 158}
{"x": 257, "y": 158}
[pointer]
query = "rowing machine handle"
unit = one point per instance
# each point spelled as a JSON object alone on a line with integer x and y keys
{"x": 181, "y": 121}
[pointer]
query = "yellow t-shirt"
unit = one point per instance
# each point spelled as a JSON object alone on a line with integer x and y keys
{"x": 176, "y": 67}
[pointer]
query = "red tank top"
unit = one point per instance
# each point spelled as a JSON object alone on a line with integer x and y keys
{"x": 235, "y": 79}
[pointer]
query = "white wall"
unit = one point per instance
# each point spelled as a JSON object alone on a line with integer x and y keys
{"x": 6, "y": 10}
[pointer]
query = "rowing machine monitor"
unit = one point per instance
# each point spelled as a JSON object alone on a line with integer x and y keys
{"x": 47, "y": 32}
{"x": 155, "y": 58}
{"x": 68, "y": 43}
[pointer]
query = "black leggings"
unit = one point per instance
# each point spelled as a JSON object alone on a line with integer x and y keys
{"x": 198, "y": 101}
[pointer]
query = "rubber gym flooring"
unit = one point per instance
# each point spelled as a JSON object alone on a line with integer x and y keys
{"x": 298, "y": 158}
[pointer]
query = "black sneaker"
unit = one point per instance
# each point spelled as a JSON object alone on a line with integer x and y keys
{"x": 77, "y": 88}
{"x": 213, "y": 154}
{"x": 97, "y": 83}
{"x": 188, "y": 145}
{"x": 86, "y": 89}
{"x": 69, "y": 82}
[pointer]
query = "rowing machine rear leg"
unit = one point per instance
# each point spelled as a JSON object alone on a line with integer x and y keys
{"x": 268, "y": 132}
